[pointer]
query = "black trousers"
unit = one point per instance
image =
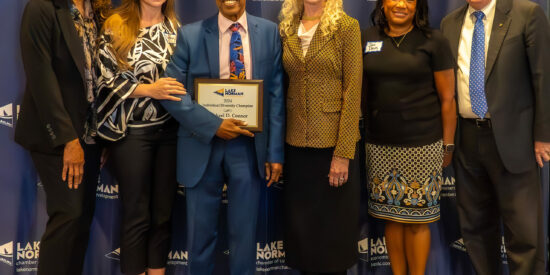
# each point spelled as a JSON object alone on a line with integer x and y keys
{"x": 70, "y": 212}
{"x": 144, "y": 164}
{"x": 488, "y": 194}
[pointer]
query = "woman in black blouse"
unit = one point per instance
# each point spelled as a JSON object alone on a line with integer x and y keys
{"x": 411, "y": 121}
{"x": 134, "y": 48}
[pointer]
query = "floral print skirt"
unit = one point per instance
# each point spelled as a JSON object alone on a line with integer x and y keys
{"x": 404, "y": 182}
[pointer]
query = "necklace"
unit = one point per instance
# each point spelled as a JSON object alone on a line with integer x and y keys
{"x": 402, "y": 38}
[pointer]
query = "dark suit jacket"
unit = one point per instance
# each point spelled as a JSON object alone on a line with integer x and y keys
{"x": 197, "y": 55}
{"x": 517, "y": 77}
{"x": 54, "y": 106}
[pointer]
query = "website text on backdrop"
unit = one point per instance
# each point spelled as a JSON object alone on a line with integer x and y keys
{"x": 213, "y": 151}
{"x": 501, "y": 48}
{"x": 57, "y": 46}
{"x": 322, "y": 58}
{"x": 135, "y": 46}
{"x": 410, "y": 126}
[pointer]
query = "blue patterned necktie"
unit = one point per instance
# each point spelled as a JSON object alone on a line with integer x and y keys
{"x": 477, "y": 68}
{"x": 236, "y": 59}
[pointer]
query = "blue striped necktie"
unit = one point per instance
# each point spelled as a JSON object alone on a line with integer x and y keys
{"x": 477, "y": 68}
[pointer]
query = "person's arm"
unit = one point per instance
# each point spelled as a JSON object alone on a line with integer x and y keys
{"x": 537, "y": 37}
{"x": 348, "y": 132}
{"x": 275, "y": 144}
{"x": 115, "y": 85}
{"x": 191, "y": 116}
{"x": 445, "y": 85}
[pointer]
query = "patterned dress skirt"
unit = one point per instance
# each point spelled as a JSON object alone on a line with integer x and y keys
{"x": 404, "y": 182}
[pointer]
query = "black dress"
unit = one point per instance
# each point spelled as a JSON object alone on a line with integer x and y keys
{"x": 404, "y": 127}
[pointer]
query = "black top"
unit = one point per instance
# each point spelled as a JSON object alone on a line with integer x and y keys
{"x": 401, "y": 101}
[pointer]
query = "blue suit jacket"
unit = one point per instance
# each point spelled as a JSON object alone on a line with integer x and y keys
{"x": 197, "y": 56}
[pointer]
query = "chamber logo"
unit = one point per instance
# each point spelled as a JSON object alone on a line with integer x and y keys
{"x": 178, "y": 257}
{"x": 23, "y": 255}
{"x": 270, "y": 256}
{"x": 6, "y": 253}
{"x": 115, "y": 255}
{"x": 373, "y": 250}
{"x": 228, "y": 92}
{"x": 363, "y": 247}
{"x": 271, "y": 250}
{"x": 6, "y": 115}
{"x": 459, "y": 244}
{"x": 107, "y": 191}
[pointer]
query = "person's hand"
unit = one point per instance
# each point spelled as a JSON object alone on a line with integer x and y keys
{"x": 230, "y": 129}
{"x": 542, "y": 152}
{"x": 73, "y": 164}
{"x": 447, "y": 159}
{"x": 338, "y": 171}
{"x": 162, "y": 89}
{"x": 272, "y": 172}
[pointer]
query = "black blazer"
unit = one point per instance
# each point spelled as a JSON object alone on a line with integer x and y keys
{"x": 54, "y": 105}
{"x": 517, "y": 80}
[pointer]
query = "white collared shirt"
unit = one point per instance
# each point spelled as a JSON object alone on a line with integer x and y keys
{"x": 464, "y": 56}
{"x": 306, "y": 36}
{"x": 225, "y": 39}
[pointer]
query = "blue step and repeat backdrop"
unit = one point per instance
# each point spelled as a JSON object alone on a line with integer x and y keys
{"x": 22, "y": 200}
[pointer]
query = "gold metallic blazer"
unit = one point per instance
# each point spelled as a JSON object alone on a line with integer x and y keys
{"x": 324, "y": 93}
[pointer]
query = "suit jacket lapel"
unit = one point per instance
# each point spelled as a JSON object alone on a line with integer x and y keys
{"x": 255, "y": 45}
{"x": 456, "y": 31}
{"x": 212, "y": 45}
{"x": 317, "y": 43}
{"x": 294, "y": 43}
{"x": 74, "y": 43}
{"x": 500, "y": 27}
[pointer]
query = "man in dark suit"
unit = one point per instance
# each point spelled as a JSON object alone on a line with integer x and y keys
{"x": 503, "y": 87}
{"x": 57, "y": 39}
{"x": 212, "y": 150}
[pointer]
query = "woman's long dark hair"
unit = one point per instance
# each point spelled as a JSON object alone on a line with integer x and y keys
{"x": 421, "y": 18}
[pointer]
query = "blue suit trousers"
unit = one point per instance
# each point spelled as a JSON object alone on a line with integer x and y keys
{"x": 232, "y": 162}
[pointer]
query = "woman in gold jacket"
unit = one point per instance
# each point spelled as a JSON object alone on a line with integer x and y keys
{"x": 322, "y": 57}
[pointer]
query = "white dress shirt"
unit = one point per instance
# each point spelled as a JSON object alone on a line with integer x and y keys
{"x": 464, "y": 56}
{"x": 306, "y": 36}
{"x": 225, "y": 39}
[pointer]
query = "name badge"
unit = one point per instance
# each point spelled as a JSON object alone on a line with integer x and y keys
{"x": 170, "y": 37}
{"x": 374, "y": 46}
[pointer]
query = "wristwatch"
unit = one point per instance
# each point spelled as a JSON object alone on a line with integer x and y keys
{"x": 448, "y": 148}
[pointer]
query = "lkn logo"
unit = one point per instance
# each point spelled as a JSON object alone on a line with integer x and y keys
{"x": 6, "y": 253}
{"x": 271, "y": 250}
{"x": 107, "y": 191}
{"x": 6, "y": 115}
{"x": 228, "y": 92}
{"x": 114, "y": 255}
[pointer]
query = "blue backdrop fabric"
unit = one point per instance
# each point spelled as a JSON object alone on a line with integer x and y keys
{"x": 22, "y": 200}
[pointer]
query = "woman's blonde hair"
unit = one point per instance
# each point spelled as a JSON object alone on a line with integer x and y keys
{"x": 123, "y": 26}
{"x": 292, "y": 11}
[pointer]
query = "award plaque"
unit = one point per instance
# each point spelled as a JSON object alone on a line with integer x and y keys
{"x": 232, "y": 98}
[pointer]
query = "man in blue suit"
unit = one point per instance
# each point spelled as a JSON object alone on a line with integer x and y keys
{"x": 213, "y": 151}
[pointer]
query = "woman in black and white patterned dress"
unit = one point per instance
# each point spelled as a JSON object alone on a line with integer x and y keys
{"x": 134, "y": 48}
